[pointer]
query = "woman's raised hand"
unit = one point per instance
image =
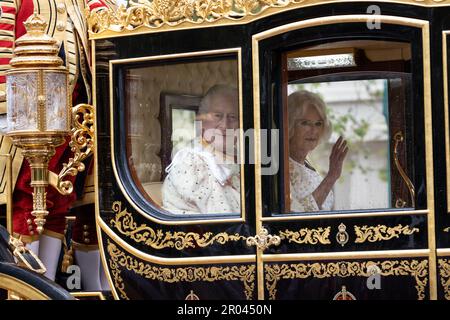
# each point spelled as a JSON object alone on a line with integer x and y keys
{"x": 337, "y": 157}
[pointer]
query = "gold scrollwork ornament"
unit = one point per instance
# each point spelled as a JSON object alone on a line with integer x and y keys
{"x": 307, "y": 236}
{"x": 418, "y": 269}
{"x": 120, "y": 260}
{"x": 123, "y": 222}
{"x": 81, "y": 144}
{"x": 381, "y": 232}
{"x": 444, "y": 272}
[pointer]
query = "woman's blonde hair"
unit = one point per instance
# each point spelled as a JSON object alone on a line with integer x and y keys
{"x": 298, "y": 102}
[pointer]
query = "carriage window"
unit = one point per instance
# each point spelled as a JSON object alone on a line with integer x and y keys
{"x": 343, "y": 115}
{"x": 182, "y": 120}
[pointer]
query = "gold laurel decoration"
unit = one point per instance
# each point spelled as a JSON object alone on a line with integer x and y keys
{"x": 381, "y": 232}
{"x": 444, "y": 272}
{"x": 157, "y": 239}
{"x": 307, "y": 236}
{"x": 158, "y": 13}
{"x": 343, "y": 269}
{"x": 119, "y": 259}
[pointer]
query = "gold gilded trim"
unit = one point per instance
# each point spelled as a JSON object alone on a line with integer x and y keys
{"x": 172, "y": 261}
{"x": 147, "y": 16}
{"x": 446, "y": 110}
{"x": 346, "y": 255}
{"x": 88, "y": 294}
{"x": 119, "y": 259}
{"x": 428, "y": 124}
{"x": 208, "y": 53}
{"x": 443, "y": 252}
{"x": 343, "y": 269}
{"x": 95, "y": 173}
{"x": 444, "y": 272}
{"x": 288, "y": 217}
{"x": 25, "y": 290}
{"x": 157, "y": 239}
{"x": 307, "y": 236}
{"x": 381, "y": 232}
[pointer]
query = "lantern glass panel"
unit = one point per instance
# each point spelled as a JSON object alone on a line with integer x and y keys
{"x": 56, "y": 101}
{"x": 22, "y": 102}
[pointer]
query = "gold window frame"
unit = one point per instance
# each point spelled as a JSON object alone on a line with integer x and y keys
{"x": 423, "y": 25}
{"x": 198, "y": 54}
{"x": 445, "y": 57}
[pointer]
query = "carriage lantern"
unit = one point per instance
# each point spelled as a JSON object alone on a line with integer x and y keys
{"x": 39, "y": 108}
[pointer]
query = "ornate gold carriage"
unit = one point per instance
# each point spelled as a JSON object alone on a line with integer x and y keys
{"x": 381, "y": 67}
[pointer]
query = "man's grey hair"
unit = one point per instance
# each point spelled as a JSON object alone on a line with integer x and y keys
{"x": 218, "y": 90}
{"x": 298, "y": 102}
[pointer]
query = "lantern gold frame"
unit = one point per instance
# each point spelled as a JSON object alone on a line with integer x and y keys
{"x": 36, "y": 55}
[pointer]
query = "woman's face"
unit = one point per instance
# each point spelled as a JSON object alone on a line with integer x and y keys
{"x": 308, "y": 130}
{"x": 219, "y": 124}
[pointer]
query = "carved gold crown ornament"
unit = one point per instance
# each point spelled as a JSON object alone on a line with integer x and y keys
{"x": 40, "y": 112}
{"x": 263, "y": 240}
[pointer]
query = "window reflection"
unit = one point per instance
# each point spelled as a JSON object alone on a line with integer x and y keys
{"x": 358, "y": 112}
{"x": 308, "y": 127}
{"x": 182, "y": 121}
{"x": 204, "y": 176}
{"x": 185, "y": 120}
{"x": 339, "y": 122}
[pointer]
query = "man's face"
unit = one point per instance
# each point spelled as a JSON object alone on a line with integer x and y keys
{"x": 219, "y": 124}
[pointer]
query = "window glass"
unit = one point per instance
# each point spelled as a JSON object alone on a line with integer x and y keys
{"x": 344, "y": 112}
{"x": 358, "y": 111}
{"x": 183, "y": 117}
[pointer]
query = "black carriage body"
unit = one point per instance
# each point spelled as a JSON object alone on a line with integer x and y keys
{"x": 150, "y": 254}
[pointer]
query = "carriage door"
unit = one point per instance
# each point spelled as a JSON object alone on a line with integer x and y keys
{"x": 185, "y": 239}
{"x": 368, "y": 237}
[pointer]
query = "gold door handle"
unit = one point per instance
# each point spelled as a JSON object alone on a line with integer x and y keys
{"x": 263, "y": 240}
{"x": 400, "y": 203}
